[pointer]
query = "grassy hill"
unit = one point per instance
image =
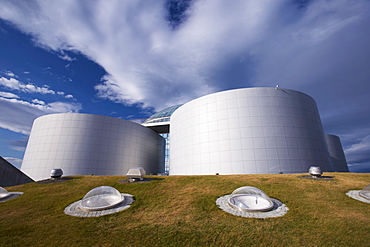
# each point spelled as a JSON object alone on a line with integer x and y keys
{"x": 181, "y": 211}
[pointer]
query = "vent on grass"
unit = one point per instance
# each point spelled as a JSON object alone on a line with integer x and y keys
{"x": 56, "y": 173}
{"x": 315, "y": 171}
{"x": 136, "y": 174}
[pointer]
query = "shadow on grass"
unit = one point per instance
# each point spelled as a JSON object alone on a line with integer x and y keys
{"x": 324, "y": 178}
{"x": 144, "y": 180}
{"x": 56, "y": 180}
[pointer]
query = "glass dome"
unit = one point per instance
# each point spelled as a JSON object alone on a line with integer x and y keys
{"x": 365, "y": 192}
{"x": 163, "y": 115}
{"x": 250, "y": 199}
{"x": 103, "y": 197}
{"x": 3, "y": 193}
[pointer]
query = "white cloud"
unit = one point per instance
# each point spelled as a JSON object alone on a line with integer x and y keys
{"x": 14, "y": 161}
{"x": 358, "y": 152}
{"x": 18, "y": 115}
{"x": 9, "y": 73}
{"x": 8, "y": 95}
{"x": 67, "y": 58}
{"x": 38, "y": 102}
{"x": 321, "y": 49}
{"x": 14, "y": 84}
{"x": 149, "y": 63}
{"x": 10, "y": 83}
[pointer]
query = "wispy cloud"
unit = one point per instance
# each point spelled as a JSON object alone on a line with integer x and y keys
{"x": 8, "y": 95}
{"x": 355, "y": 153}
{"x": 14, "y": 161}
{"x": 18, "y": 115}
{"x": 66, "y": 57}
{"x": 38, "y": 102}
{"x": 220, "y": 45}
{"x": 19, "y": 144}
{"x": 14, "y": 84}
{"x": 318, "y": 47}
{"x": 9, "y": 73}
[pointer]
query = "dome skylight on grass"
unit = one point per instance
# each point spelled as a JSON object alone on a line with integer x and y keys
{"x": 360, "y": 195}
{"x": 100, "y": 201}
{"x": 251, "y": 202}
{"x": 5, "y": 195}
{"x": 250, "y": 199}
{"x": 365, "y": 192}
{"x": 100, "y": 198}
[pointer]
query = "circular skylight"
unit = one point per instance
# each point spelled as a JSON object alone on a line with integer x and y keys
{"x": 100, "y": 198}
{"x": 3, "y": 193}
{"x": 251, "y": 202}
{"x": 365, "y": 192}
{"x": 249, "y": 199}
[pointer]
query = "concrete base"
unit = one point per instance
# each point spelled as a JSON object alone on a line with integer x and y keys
{"x": 11, "y": 196}
{"x": 355, "y": 195}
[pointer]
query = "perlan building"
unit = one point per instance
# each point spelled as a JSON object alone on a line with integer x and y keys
{"x": 242, "y": 131}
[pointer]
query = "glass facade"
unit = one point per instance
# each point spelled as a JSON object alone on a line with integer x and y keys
{"x": 166, "y": 136}
{"x": 162, "y": 116}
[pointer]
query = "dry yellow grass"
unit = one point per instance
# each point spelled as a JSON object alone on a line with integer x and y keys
{"x": 181, "y": 211}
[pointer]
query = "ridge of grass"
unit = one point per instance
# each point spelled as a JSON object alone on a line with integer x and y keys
{"x": 181, "y": 211}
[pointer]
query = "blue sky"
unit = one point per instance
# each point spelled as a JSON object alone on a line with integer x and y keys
{"x": 128, "y": 59}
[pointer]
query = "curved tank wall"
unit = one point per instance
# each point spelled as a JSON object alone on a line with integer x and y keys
{"x": 338, "y": 159}
{"x": 83, "y": 144}
{"x": 248, "y": 131}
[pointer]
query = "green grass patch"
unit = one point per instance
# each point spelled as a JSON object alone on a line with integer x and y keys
{"x": 181, "y": 211}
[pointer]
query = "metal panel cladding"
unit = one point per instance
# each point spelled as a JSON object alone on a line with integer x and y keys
{"x": 338, "y": 159}
{"x": 248, "y": 131}
{"x": 83, "y": 144}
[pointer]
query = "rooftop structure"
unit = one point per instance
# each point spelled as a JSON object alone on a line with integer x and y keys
{"x": 160, "y": 122}
{"x": 241, "y": 131}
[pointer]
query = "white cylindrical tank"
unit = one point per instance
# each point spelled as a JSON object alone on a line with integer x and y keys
{"x": 83, "y": 144}
{"x": 248, "y": 131}
{"x": 338, "y": 159}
